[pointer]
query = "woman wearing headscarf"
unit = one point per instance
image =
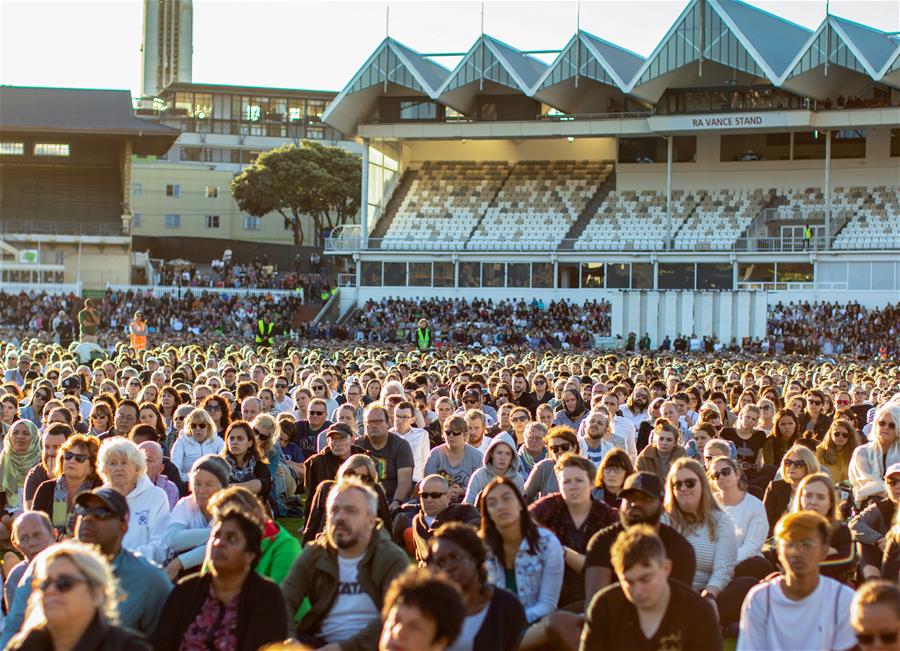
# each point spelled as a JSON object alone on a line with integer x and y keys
{"x": 572, "y": 410}
{"x": 21, "y": 452}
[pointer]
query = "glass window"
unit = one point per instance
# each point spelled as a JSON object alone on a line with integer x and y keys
{"x": 444, "y": 274}
{"x": 212, "y": 191}
{"x": 173, "y": 190}
{"x": 592, "y": 275}
{"x": 136, "y": 219}
{"x": 618, "y": 276}
{"x": 420, "y": 274}
{"x": 675, "y": 275}
{"x": 212, "y": 221}
{"x": 643, "y": 150}
{"x": 296, "y": 109}
{"x": 370, "y": 274}
{"x": 756, "y": 272}
{"x": 252, "y": 223}
{"x": 315, "y": 133}
{"x": 418, "y": 110}
{"x": 12, "y": 148}
{"x": 755, "y": 146}
{"x": 716, "y": 275}
{"x": 315, "y": 108}
{"x": 173, "y": 221}
{"x": 895, "y": 143}
{"x": 883, "y": 275}
{"x": 567, "y": 275}
{"x": 136, "y": 189}
{"x": 809, "y": 145}
{"x": 794, "y": 272}
{"x": 859, "y": 275}
{"x": 642, "y": 275}
{"x": 51, "y": 149}
{"x": 469, "y": 274}
{"x": 192, "y": 154}
{"x": 848, "y": 143}
{"x": 395, "y": 274}
{"x": 684, "y": 149}
{"x": 541, "y": 275}
{"x": 518, "y": 274}
{"x": 492, "y": 274}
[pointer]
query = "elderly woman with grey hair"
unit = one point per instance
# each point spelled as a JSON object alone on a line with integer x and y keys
{"x": 122, "y": 466}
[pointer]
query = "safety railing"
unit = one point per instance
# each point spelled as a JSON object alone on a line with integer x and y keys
{"x": 57, "y": 289}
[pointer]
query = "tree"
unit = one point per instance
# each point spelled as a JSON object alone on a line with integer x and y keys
{"x": 313, "y": 179}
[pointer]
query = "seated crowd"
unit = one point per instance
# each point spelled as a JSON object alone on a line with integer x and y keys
{"x": 447, "y": 500}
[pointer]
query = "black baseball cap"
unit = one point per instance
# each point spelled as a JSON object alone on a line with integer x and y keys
{"x": 112, "y": 499}
{"x": 339, "y": 429}
{"x": 646, "y": 482}
{"x": 71, "y": 383}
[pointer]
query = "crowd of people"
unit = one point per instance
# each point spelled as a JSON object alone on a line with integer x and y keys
{"x": 225, "y": 496}
{"x": 834, "y": 329}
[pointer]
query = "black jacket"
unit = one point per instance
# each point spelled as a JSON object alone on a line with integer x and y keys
{"x": 261, "y": 620}
{"x": 99, "y": 636}
{"x": 315, "y": 523}
{"x": 777, "y": 500}
{"x": 322, "y": 467}
{"x": 465, "y": 513}
{"x": 503, "y": 625}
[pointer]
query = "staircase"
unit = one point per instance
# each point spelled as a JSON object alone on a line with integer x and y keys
{"x": 393, "y": 205}
{"x": 490, "y": 203}
{"x": 577, "y": 228}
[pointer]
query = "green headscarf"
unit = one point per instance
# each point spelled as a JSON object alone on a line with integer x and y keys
{"x": 15, "y": 465}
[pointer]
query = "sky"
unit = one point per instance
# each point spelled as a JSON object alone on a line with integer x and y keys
{"x": 320, "y": 45}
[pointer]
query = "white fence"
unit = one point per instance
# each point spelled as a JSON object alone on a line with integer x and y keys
{"x": 48, "y": 288}
{"x": 160, "y": 290}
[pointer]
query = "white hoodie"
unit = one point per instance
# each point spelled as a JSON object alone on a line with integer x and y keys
{"x": 148, "y": 517}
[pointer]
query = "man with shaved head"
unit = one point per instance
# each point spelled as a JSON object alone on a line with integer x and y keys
{"x": 153, "y": 453}
{"x": 32, "y": 533}
{"x": 250, "y": 408}
{"x": 435, "y": 510}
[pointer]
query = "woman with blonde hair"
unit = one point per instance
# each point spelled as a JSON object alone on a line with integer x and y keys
{"x": 692, "y": 510}
{"x": 817, "y": 493}
{"x": 198, "y": 438}
{"x": 320, "y": 389}
{"x": 835, "y": 452}
{"x": 360, "y": 466}
{"x": 798, "y": 462}
{"x": 74, "y": 604}
{"x": 870, "y": 461}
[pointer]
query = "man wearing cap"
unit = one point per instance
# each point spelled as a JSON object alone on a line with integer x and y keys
{"x": 473, "y": 398}
{"x": 641, "y": 496}
{"x": 72, "y": 386}
{"x": 16, "y": 368}
{"x": 324, "y": 465}
{"x": 138, "y": 331}
{"x": 102, "y": 520}
{"x": 870, "y": 527}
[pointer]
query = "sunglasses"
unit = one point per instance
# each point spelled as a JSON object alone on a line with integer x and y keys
{"x": 686, "y": 483}
{"x": 519, "y": 419}
{"x": 436, "y": 495}
{"x": 867, "y": 639}
{"x": 840, "y": 435}
{"x": 315, "y": 413}
{"x": 63, "y": 583}
{"x": 539, "y": 383}
{"x": 362, "y": 477}
{"x": 556, "y": 449}
{"x": 213, "y": 408}
{"x": 470, "y": 401}
{"x": 198, "y": 425}
{"x": 281, "y": 386}
{"x": 98, "y": 512}
{"x": 451, "y": 432}
{"x": 724, "y": 472}
{"x": 315, "y": 388}
{"x": 814, "y": 402}
{"x": 796, "y": 463}
{"x": 80, "y": 458}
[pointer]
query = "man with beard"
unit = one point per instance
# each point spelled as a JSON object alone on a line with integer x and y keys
{"x": 345, "y": 574}
{"x": 641, "y": 504}
{"x": 635, "y": 408}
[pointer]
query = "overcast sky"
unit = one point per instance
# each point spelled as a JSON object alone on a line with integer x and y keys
{"x": 319, "y": 45}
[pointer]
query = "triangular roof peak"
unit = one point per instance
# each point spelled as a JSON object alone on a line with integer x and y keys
{"x": 876, "y": 49}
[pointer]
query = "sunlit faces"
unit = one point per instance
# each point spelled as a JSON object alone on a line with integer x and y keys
{"x": 794, "y": 468}
{"x": 644, "y": 584}
{"x": 665, "y": 441}
{"x": 501, "y": 457}
{"x": 503, "y": 506}
{"x": 816, "y": 496}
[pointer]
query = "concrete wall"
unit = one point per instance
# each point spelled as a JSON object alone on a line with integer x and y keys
{"x": 511, "y": 150}
{"x": 709, "y": 172}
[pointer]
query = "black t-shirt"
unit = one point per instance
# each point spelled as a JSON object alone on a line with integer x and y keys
{"x": 395, "y": 454}
{"x": 747, "y": 449}
{"x": 689, "y": 623}
{"x": 678, "y": 550}
{"x": 305, "y": 437}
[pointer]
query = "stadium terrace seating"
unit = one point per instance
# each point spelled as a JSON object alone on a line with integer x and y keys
{"x": 538, "y": 204}
{"x": 636, "y": 220}
{"x": 875, "y": 217}
{"x": 720, "y": 218}
{"x": 444, "y": 203}
{"x": 808, "y": 204}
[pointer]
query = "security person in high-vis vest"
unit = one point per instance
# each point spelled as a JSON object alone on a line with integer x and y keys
{"x": 138, "y": 331}
{"x": 264, "y": 330}
{"x": 423, "y": 336}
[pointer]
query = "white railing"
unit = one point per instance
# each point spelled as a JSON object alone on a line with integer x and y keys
{"x": 47, "y": 288}
{"x": 161, "y": 290}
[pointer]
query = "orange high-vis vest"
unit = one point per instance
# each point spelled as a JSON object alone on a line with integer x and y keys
{"x": 138, "y": 335}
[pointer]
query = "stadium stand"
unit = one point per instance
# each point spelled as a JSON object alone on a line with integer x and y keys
{"x": 875, "y": 217}
{"x": 444, "y": 203}
{"x": 539, "y": 203}
{"x": 721, "y": 216}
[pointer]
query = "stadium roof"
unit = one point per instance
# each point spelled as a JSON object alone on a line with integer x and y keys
{"x": 727, "y": 40}
{"x": 75, "y": 111}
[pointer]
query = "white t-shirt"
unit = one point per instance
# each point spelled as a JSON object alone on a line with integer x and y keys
{"x": 820, "y": 622}
{"x": 421, "y": 446}
{"x": 352, "y": 610}
{"x": 485, "y": 442}
{"x": 471, "y": 625}
{"x": 287, "y": 404}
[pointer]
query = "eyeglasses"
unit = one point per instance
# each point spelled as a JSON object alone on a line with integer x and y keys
{"x": 814, "y": 402}
{"x": 98, "y": 512}
{"x": 724, "y": 472}
{"x": 886, "y": 639}
{"x": 470, "y": 401}
{"x": 802, "y": 545}
{"x": 886, "y": 424}
{"x": 842, "y": 402}
{"x": 281, "y": 386}
{"x": 557, "y": 449}
{"x": 796, "y": 463}
{"x": 685, "y": 483}
{"x": 315, "y": 413}
{"x": 80, "y": 458}
{"x": 213, "y": 408}
{"x": 435, "y": 495}
{"x": 519, "y": 419}
{"x": 503, "y": 395}
{"x": 614, "y": 469}
{"x": 63, "y": 583}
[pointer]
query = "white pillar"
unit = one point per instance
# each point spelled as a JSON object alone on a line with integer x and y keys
{"x": 668, "y": 192}
{"x": 827, "y": 189}
{"x": 364, "y": 199}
